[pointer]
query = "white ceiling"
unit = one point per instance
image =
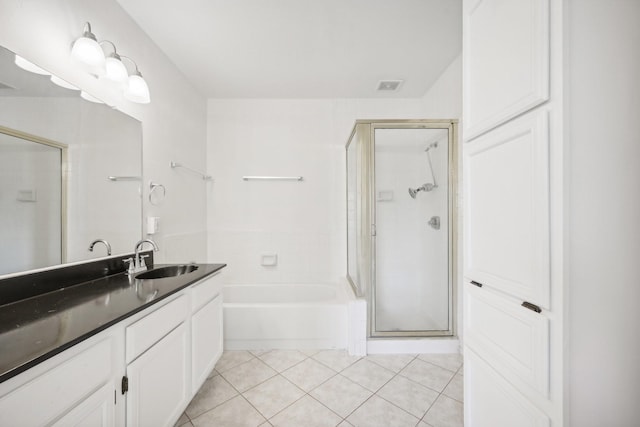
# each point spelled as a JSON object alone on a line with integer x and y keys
{"x": 304, "y": 48}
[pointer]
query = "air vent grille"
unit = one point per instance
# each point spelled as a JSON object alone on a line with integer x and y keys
{"x": 389, "y": 85}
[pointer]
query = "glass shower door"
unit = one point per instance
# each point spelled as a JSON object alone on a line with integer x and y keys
{"x": 412, "y": 261}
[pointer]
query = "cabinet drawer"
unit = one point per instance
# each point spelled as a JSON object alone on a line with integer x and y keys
{"x": 516, "y": 338}
{"x": 205, "y": 291}
{"x": 150, "y": 329}
{"x": 46, "y": 397}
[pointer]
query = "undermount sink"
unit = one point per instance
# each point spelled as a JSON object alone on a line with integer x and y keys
{"x": 169, "y": 271}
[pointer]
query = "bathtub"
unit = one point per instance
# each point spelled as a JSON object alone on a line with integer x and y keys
{"x": 260, "y": 317}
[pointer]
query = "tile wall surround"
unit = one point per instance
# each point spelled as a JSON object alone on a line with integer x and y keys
{"x": 329, "y": 388}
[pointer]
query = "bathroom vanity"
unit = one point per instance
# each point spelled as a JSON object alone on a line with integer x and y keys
{"x": 112, "y": 351}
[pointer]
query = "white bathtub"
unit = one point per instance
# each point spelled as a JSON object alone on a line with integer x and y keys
{"x": 258, "y": 317}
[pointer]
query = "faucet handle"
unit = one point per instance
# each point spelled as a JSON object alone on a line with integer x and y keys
{"x": 131, "y": 268}
{"x": 143, "y": 266}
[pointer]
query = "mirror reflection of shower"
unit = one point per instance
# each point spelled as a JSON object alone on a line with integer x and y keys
{"x": 428, "y": 186}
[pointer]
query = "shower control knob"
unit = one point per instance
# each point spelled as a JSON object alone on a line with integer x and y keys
{"x": 434, "y": 222}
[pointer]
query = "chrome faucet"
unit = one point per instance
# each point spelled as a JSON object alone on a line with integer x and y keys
{"x": 138, "y": 260}
{"x": 100, "y": 241}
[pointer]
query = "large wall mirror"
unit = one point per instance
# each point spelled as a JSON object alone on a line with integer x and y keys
{"x": 70, "y": 173}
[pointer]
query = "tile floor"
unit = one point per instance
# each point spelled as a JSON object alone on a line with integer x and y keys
{"x": 329, "y": 388}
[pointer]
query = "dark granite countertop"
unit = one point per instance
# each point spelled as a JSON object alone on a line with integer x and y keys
{"x": 36, "y": 328}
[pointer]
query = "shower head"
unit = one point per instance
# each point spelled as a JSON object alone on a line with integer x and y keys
{"x": 432, "y": 145}
{"x": 426, "y": 187}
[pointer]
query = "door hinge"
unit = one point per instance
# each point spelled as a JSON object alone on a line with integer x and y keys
{"x": 531, "y": 307}
{"x": 125, "y": 385}
{"x": 373, "y": 230}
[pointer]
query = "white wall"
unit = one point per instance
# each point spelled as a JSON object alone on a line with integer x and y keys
{"x": 443, "y": 100}
{"x": 174, "y": 124}
{"x": 604, "y": 213}
{"x": 303, "y": 222}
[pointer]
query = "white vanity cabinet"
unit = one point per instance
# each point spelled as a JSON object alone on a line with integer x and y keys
{"x": 76, "y": 387}
{"x": 206, "y": 339}
{"x": 157, "y": 383}
{"x": 142, "y": 371}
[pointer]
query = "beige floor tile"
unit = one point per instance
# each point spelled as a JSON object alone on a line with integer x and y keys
{"x": 212, "y": 393}
{"x": 423, "y": 424}
{"x": 231, "y": 359}
{"x": 258, "y": 353}
{"x": 341, "y": 395}
{"x": 309, "y": 351}
{"x": 273, "y": 395}
{"x": 308, "y": 374}
{"x": 428, "y": 375}
{"x": 249, "y": 374}
{"x": 393, "y": 362}
{"x": 236, "y": 412}
{"x": 183, "y": 421}
{"x": 368, "y": 374}
{"x": 345, "y": 423}
{"x": 335, "y": 359}
{"x": 281, "y": 360}
{"x": 408, "y": 395}
{"x": 450, "y": 361}
{"x": 455, "y": 388}
{"x": 377, "y": 412}
{"x": 445, "y": 412}
{"x": 306, "y": 412}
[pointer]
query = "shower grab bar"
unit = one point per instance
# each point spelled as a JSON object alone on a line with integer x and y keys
{"x": 205, "y": 177}
{"x": 124, "y": 178}
{"x": 272, "y": 178}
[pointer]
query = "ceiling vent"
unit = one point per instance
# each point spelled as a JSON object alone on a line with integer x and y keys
{"x": 389, "y": 85}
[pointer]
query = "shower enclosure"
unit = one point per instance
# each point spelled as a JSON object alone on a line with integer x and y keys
{"x": 401, "y": 187}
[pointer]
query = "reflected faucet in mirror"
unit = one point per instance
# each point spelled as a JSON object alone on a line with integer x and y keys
{"x": 100, "y": 241}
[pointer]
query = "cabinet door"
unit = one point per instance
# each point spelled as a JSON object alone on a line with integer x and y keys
{"x": 95, "y": 411}
{"x": 507, "y": 218}
{"x": 67, "y": 382}
{"x": 490, "y": 401}
{"x": 206, "y": 340}
{"x": 159, "y": 381}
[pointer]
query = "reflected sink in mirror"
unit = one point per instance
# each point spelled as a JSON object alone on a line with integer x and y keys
{"x": 169, "y": 271}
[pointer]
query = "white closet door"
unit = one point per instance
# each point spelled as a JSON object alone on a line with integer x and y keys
{"x": 490, "y": 401}
{"x": 510, "y": 326}
{"x": 507, "y": 209}
{"x": 506, "y": 57}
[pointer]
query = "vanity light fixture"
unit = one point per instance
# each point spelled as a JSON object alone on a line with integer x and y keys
{"x": 137, "y": 89}
{"x": 115, "y": 69}
{"x": 87, "y": 50}
{"x": 30, "y": 66}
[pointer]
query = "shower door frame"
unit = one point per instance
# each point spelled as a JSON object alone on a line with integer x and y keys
{"x": 452, "y": 129}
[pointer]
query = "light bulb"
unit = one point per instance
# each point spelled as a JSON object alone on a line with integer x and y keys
{"x": 137, "y": 89}
{"x": 87, "y": 50}
{"x": 115, "y": 69}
